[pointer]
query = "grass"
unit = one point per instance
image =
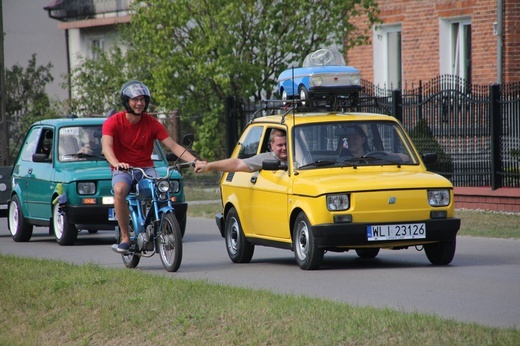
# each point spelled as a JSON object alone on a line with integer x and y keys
{"x": 46, "y": 302}
{"x": 479, "y": 223}
{"x": 201, "y": 194}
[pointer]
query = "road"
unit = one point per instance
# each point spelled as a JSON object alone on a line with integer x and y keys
{"x": 481, "y": 285}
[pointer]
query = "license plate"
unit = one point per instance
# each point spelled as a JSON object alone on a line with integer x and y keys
{"x": 112, "y": 214}
{"x": 396, "y": 232}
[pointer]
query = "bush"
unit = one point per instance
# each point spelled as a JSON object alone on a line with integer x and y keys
{"x": 425, "y": 142}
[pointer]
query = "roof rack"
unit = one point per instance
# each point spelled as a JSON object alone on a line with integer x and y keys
{"x": 341, "y": 103}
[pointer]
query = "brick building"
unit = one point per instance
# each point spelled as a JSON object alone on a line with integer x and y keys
{"x": 422, "y": 39}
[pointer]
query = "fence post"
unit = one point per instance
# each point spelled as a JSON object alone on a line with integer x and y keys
{"x": 397, "y": 104}
{"x": 231, "y": 125}
{"x": 495, "y": 122}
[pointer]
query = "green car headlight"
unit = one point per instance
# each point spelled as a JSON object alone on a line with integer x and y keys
{"x": 337, "y": 202}
{"x": 86, "y": 188}
{"x": 174, "y": 186}
{"x": 439, "y": 198}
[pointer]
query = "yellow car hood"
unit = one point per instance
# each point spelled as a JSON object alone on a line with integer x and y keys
{"x": 321, "y": 181}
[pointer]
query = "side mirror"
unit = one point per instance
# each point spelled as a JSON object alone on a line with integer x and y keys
{"x": 273, "y": 165}
{"x": 40, "y": 157}
{"x": 429, "y": 158}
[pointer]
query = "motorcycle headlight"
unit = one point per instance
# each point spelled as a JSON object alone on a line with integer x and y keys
{"x": 337, "y": 202}
{"x": 163, "y": 186}
{"x": 86, "y": 188}
{"x": 439, "y": 198}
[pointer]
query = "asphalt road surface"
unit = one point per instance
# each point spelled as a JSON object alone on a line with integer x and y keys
{"x": 481, "y": 285}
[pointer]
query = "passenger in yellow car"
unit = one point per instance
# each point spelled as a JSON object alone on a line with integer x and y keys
{"x": 278, "y": 144}
{"x": 354, "y": 143}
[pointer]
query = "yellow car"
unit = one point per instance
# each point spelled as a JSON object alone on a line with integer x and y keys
{"x": 352, "y": 181}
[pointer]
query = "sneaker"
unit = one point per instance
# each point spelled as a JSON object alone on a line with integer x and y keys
{"x": 123, "y": 248}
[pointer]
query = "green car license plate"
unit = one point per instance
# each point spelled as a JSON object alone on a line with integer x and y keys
{"x": 396, "y": 232}
{"x": 112, "y": 214}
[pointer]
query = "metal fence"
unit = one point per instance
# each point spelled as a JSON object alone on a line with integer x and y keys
{"x": 474, "y": 129}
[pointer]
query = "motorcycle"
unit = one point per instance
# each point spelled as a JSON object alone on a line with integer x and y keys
{"x": 153, "y": 226}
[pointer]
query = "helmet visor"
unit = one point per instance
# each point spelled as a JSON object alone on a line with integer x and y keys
{"x": 134, "y": 90}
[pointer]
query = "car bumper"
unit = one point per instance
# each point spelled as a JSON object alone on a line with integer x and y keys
{"x": 89, "y": 215}
{"x": 219, "y": 219}
{"x": 355, "y": 234}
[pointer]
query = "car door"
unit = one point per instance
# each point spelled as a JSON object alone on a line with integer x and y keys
{"x": 23, "y": 168}
{"x": 237, "y": 187}
{"x": 38, "y": 187}
{"x": 269, "y": 201}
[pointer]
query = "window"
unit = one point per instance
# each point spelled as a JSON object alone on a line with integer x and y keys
{"x": 455, "y": 47}
{"x": 387, "y": 56}
{"x": 249, "y": 147}
{"x": 96, "y": 46}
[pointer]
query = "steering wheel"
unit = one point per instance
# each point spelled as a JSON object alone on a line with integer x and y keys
{"x": 322, "y": 57}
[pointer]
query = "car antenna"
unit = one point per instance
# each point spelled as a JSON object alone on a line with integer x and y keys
{"x": 293, "y": 104}
{"x": 292, "y": 77}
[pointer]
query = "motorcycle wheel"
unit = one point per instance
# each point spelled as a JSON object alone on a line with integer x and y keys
{"x": 170, "y": 242}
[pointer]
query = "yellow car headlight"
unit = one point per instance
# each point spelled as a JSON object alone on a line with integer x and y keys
{"x": 340, "y": 201}
{"x": 439, "y": 198}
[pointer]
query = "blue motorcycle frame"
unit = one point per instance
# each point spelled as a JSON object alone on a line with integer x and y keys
{"x": 152, "y": 224}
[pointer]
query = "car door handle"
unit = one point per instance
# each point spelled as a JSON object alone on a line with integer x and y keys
{"x": 29, "y": 171}
{"x": 254, "y": 177}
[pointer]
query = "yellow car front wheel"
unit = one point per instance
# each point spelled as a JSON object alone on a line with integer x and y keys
{"x": 307, "y": 254}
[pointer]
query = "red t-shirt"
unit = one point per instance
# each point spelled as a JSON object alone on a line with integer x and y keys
{"x": 133, "y": 143}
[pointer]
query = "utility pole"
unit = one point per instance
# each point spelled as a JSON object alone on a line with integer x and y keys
{"x": 4, "y": 131}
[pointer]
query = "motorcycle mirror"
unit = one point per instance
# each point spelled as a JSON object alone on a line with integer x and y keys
{"x": 187, "y": 140}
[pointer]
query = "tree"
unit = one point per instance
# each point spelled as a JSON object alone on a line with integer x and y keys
{"x": 200, "y": 52}
{"x": 26, "y": 100}
{"x": 96, "y": 83}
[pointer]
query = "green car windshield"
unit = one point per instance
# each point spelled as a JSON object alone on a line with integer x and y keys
{"x": 83, "y": 143}
{"x": 339, "y": 144}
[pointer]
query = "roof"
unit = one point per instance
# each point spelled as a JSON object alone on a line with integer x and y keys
{"x": 60, "y": 122}
{"x": 299, "y": 118}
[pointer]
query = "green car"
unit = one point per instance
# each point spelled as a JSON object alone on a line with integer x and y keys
{"x": 62, "y": 180}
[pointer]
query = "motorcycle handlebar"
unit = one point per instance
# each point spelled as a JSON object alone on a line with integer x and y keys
{"x": 177, "y": 166}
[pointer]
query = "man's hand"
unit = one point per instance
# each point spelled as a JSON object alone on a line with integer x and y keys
{"x": 122, "y": 165}
{"x": 200, "y": 166}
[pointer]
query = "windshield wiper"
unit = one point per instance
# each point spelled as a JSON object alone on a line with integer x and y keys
{"x": 84, "y": 155}
{"x": 319, "y": 163}
{"x": 371, "y": 159}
